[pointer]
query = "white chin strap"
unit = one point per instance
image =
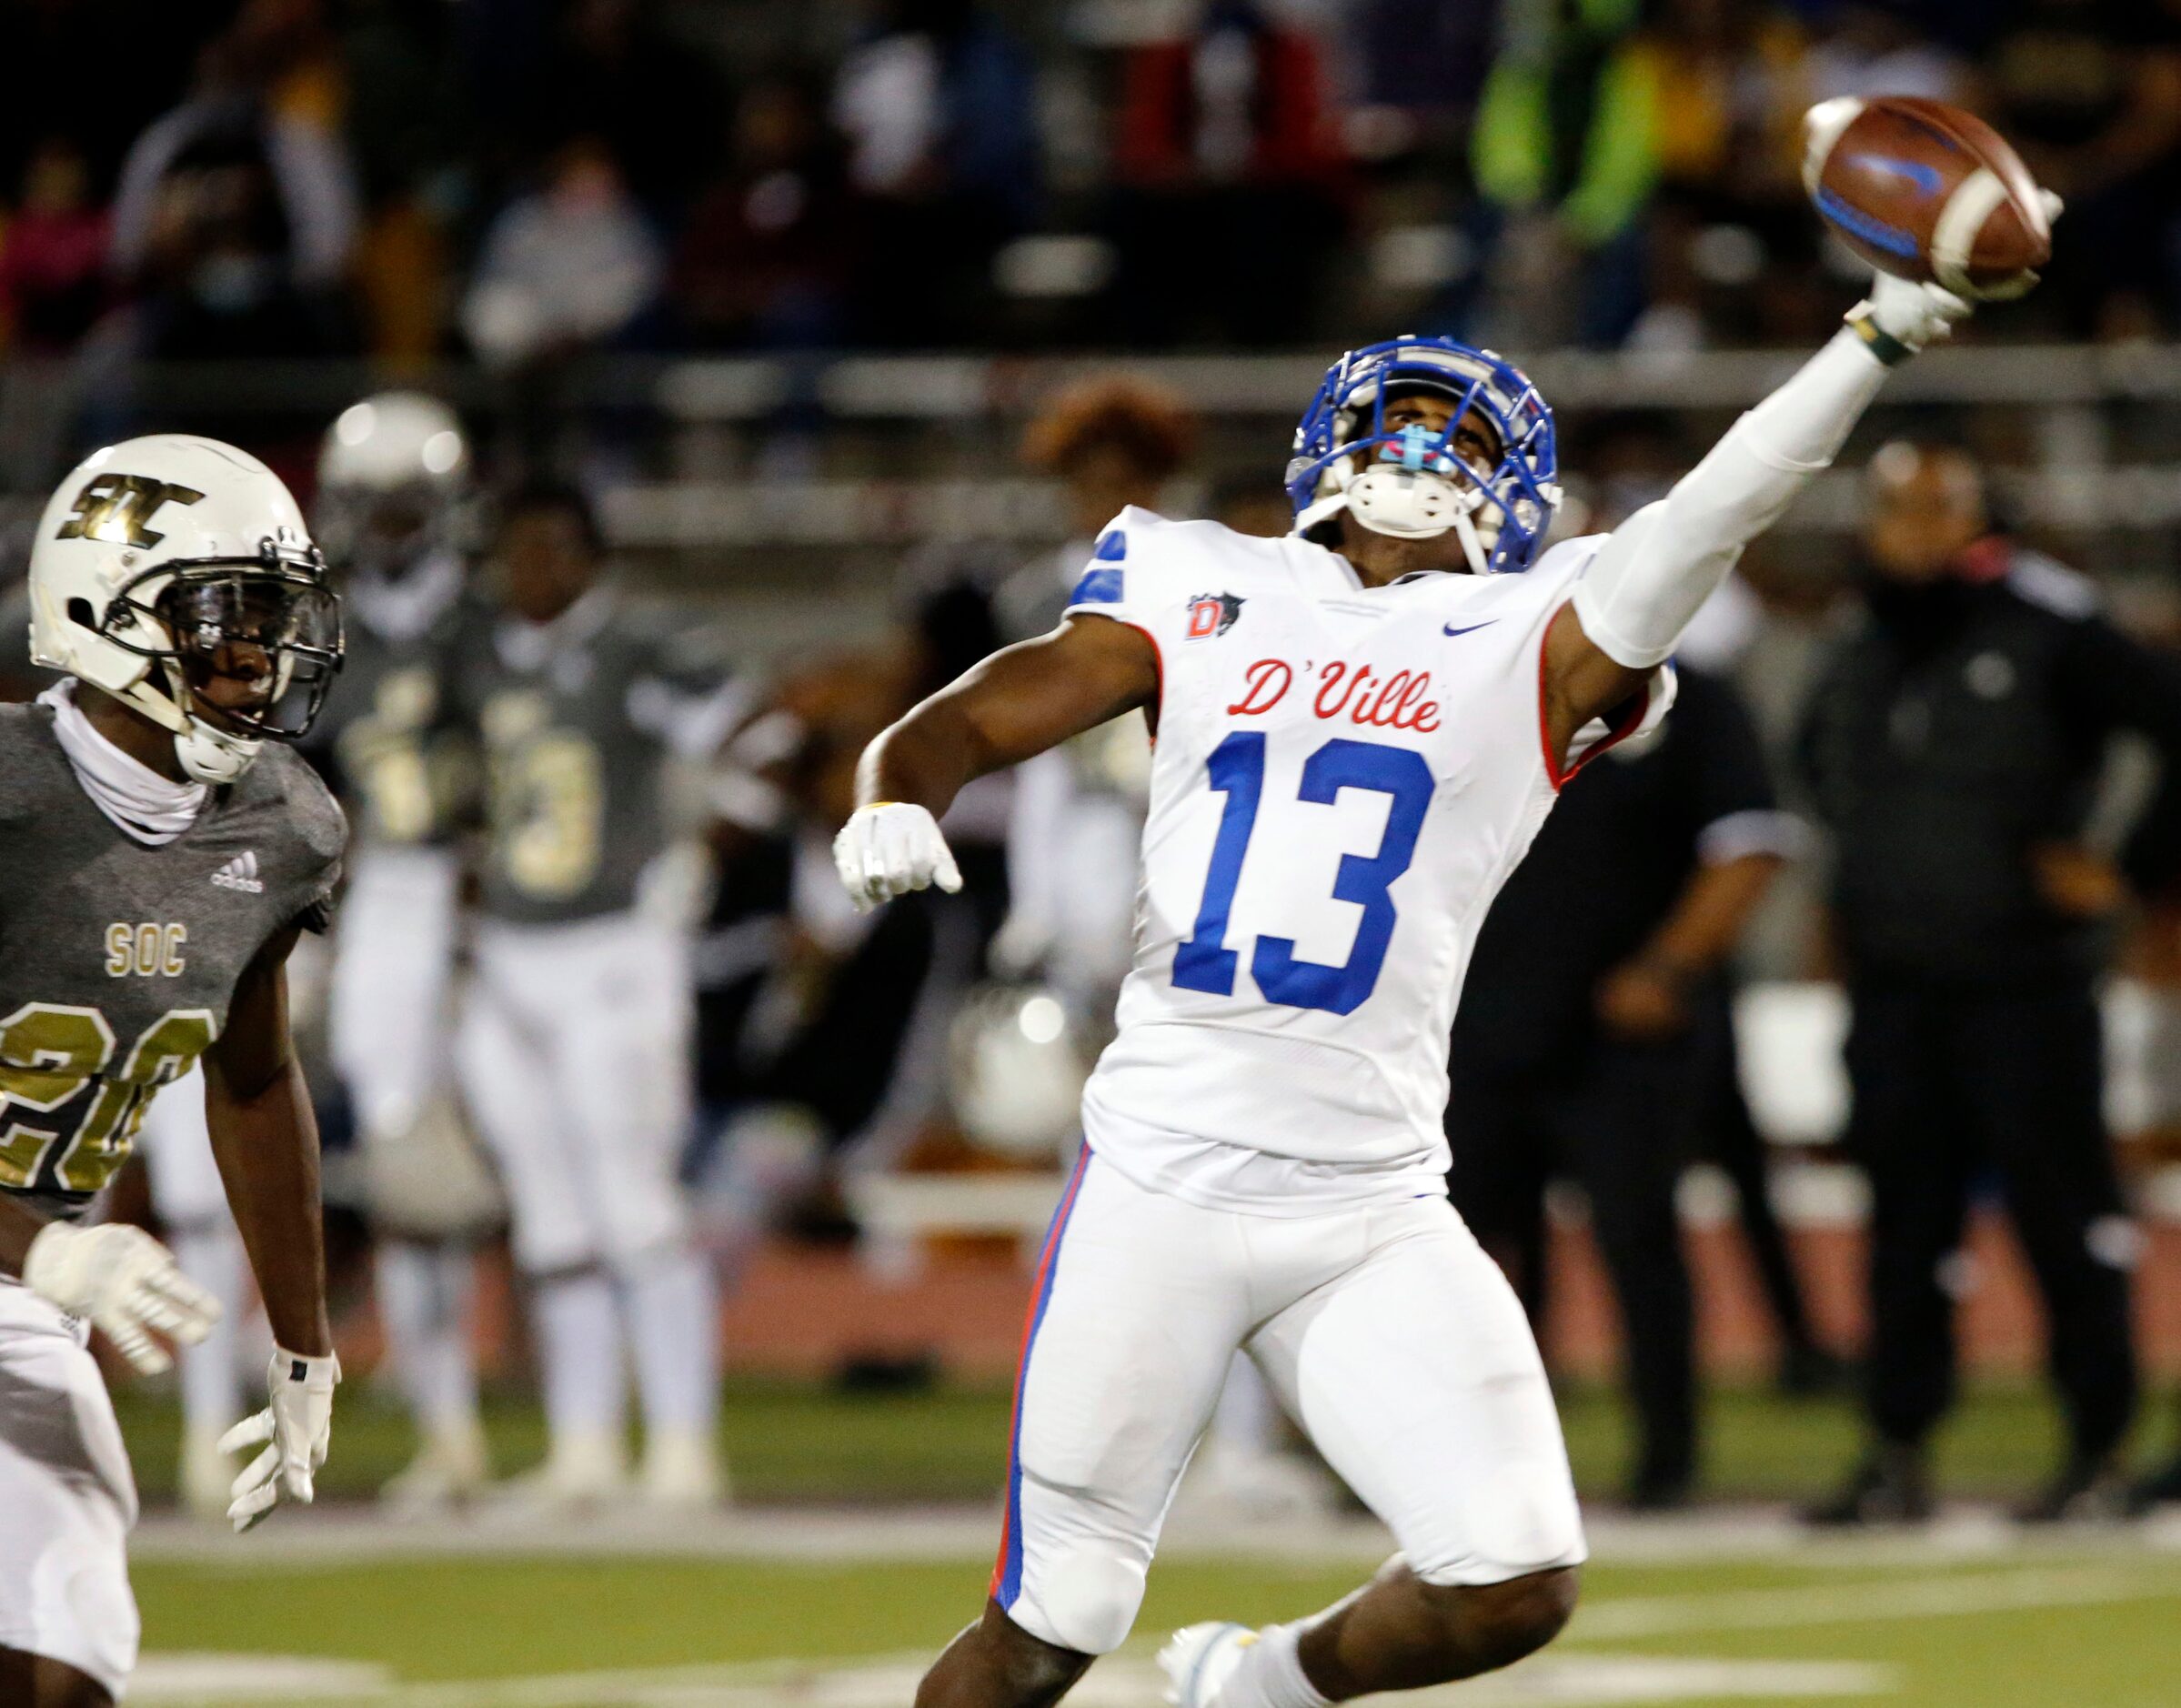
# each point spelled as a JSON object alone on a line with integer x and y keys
{"x": 209, "y": 755}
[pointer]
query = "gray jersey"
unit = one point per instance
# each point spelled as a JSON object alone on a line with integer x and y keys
{"x": 117, "y": 961}
{"x": 391, "y": 737}
{"x": 580, "y": 719}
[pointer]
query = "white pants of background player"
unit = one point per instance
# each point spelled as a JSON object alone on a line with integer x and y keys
{"x": 1386, "y": 1331}
{"x": 66, "y": 1498}
{"x": 388, "y": 1023}
{"x": 574, "y": 1051}
{"x": 191, "y": 1202}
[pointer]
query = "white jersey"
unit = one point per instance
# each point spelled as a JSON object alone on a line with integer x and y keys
{"x": 1345, "y": 776}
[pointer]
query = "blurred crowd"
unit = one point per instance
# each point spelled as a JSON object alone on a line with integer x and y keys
{"x": 524, "y": 180}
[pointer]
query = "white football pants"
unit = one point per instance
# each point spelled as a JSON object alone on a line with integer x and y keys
{"x": 191, "y": 1201}
{"x": 66, "y": 1498}
{"x": 574, "y": 1052}
{"x": 1385, "y": 1331}
{"x": 389, "y": 1025}
{"x": 393, "y": 964}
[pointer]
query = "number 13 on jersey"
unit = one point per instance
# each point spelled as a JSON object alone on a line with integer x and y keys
{"x": 1237, "y": 768}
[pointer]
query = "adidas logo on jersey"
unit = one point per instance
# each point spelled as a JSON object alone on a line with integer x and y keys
{"x": 240, "y": 873}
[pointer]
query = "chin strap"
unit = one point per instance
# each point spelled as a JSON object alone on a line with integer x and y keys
{"x": 212, "y": 758}
{"x": 209, "y": 755}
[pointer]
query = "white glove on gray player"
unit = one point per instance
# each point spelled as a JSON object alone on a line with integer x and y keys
{"x": 294, "y": 1431}
{"x": 126, "y": 1283}
{"x": 889, "y": 848}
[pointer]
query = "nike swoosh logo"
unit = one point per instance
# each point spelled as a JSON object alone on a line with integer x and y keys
{"x": 1473, "y": 628}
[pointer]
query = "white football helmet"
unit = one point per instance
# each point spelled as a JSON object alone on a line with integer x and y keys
{"x": 169, "y": 569}
{"x": 1017, "y": 1064}
{"x": 392, "y": 473}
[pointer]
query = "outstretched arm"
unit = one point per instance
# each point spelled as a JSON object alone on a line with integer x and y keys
{"x": 1650, "y": 578}
{"x": 1017, "y": 703}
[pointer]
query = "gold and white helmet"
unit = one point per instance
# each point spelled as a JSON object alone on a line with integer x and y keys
{"x": 175, "y": 574}
{"x": 392, "y": 478}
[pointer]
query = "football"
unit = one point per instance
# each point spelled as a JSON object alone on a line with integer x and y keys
{"x": 1927, "y": 191}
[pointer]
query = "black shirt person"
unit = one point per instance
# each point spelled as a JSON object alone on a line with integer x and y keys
{"x": 1954, "y": 742}
{"x": 1591, "y": 1017}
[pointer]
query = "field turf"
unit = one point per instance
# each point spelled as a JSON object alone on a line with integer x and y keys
{"x": 2083, "y": 1621}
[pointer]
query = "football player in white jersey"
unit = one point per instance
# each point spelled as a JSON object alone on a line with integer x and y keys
{"x": 1359, "y": 728}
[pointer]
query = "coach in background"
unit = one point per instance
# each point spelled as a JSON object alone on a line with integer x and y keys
{"x": 1954, "y": 743}
{"x": 1585, "y": 1037}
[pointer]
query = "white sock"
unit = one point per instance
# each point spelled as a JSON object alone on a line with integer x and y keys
{"x": 1247, "y": 1421}
{"x": 674, "y": 1330}
{"x": 1271, "y": 1674}
{"x": 211, "y": 1255}
{"x": 424, "y": 1302}
{"x": 578, "y": 1353}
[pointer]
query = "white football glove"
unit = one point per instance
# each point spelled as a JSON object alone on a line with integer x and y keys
{"x": 1910, "y": 314}
{"x": 294, "y": 1431}
{"x": 889, "y": 848}
{"x": 124, "y": 1283}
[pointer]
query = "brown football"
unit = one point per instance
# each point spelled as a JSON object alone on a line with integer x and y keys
{"x": 1928, "y": 192}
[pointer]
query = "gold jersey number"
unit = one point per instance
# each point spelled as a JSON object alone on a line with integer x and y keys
{"x": 387, "y": 754}
{"x": 49, "y": 1052}
{"x": 552, "y": 787}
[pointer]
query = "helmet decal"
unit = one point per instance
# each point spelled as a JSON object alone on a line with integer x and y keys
{"x": 118, "y": 509}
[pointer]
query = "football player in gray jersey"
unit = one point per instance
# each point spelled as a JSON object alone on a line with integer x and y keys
{"x": 164, "y": 848}
{"x": 574, "y": 1047}
{"x": 393, "y": 494}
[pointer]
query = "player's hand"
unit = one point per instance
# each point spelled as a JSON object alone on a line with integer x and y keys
{"x": 889, "y": 848}
{"x": 1640, "y": 1002}
{"x": 1911, "y": 314}
{"x": 2076, "y": 882}
{"x": 294, "y": 1431}
{"x": 124, "y": 1283}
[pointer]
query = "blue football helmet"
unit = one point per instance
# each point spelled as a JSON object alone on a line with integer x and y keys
{"x": 1408, "y": 482}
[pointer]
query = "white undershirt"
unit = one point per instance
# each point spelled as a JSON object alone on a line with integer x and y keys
{"x": 152, "y": 808}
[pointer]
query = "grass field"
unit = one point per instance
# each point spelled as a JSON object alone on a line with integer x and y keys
{"x": 1713, "y": 1611}
{"x": 789, "y": 1442}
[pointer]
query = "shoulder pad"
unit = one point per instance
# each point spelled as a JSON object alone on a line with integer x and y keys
{"x": 1566, "y": 557}
{"x": 314, "y": 813}
{"x": 25, "y": 736}
{"x": 2052, "y": 586}
{"x": 1143, "y": 558}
